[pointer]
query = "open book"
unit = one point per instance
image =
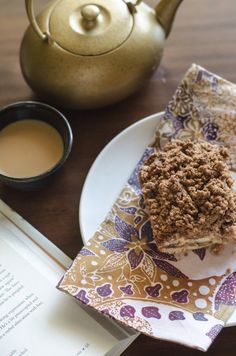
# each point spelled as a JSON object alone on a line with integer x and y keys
{"x": 35, "y": 318}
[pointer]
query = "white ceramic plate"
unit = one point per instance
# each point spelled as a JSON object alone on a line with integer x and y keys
{"x": 109, "y": 173}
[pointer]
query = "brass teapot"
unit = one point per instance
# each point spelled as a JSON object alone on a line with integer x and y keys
{"x": 82, "y": 54}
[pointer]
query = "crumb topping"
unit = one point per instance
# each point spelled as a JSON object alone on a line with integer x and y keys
{"x": 188, "y": 190}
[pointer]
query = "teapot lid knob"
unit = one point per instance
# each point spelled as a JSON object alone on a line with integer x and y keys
{"x": 87, "y": 27}
{"x": 89, "y": 14}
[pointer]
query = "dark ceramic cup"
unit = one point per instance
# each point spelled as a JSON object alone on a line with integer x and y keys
{"x": 43, "y": 112}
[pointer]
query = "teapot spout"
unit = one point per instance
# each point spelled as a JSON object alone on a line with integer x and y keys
{"x": 165, "y": 12}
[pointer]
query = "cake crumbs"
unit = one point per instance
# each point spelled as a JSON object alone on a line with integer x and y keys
{"x": 187, "y": 189}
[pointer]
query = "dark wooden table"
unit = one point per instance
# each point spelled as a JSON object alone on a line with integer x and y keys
{"x": 205, "y": 33}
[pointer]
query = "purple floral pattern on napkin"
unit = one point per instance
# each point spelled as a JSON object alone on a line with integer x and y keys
{"x": 121, "y": 272}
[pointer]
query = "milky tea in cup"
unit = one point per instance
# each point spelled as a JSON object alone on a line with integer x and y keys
{"x": 29, "y": 148}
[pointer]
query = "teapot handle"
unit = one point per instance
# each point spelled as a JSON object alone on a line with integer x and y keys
{"x": 30, "y": 13}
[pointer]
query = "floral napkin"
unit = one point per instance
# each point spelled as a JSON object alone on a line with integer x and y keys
{"x": 122, "y": 274}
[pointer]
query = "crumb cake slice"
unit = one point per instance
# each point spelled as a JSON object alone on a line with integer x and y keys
{"x": 188, "y": 191}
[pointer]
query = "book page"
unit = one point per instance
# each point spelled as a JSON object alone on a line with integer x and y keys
{"x": 38, "y": 320}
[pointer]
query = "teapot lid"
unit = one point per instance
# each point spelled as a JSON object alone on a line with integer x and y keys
{"x": 88, "y": 29}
